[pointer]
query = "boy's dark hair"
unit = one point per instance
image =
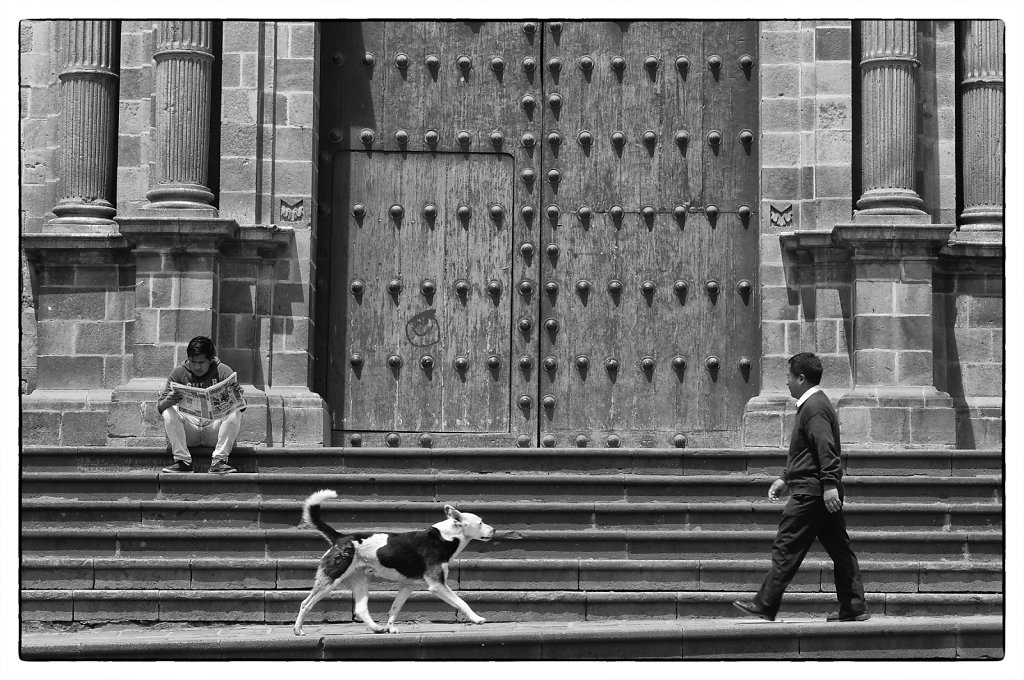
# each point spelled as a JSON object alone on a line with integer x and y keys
{"x": 201, "y": 345}
{"x": 806, "y": 364}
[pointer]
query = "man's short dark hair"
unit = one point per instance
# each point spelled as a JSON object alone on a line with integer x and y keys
{"x": 806, "y": 364}
{"x": 201, "y": 345}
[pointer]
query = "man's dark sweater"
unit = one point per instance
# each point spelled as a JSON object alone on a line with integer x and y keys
{"x": 813, "y": 463}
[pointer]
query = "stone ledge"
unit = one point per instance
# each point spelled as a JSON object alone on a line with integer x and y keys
{"x": 77, "y": 241}
{"x": 896, "y": 396}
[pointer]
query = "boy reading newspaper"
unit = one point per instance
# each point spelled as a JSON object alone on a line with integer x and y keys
{"x": 201, "y": 405}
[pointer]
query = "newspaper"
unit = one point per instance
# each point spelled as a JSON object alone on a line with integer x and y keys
{"x": 211, "y": 403}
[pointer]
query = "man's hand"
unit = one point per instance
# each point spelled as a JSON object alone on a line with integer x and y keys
{"x": 173, "y": 398}
{"x": 832, "y": 500}
{"x": 778, "y": 486}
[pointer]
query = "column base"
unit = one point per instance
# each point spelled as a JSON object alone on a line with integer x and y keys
{"x": 905, "y": 204}
{"x": 884, "y": 416}
{"x": 80, "y": 225}
{"x": 977, "y": 235}
{"x": 768, "y": 420}
{"x": 65, "y": 417}
{"x": 979, "y": 423}
{"x": 296, "y": 418}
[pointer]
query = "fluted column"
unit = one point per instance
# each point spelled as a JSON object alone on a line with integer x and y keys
{"x": 889, "y": 68}
{"x": 184, "y": 57}
{"x": 983, "y": 110}
{"x": 88, "y": 129}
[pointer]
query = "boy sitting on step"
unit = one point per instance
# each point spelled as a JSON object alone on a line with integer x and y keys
{"x": 201, "y": 369}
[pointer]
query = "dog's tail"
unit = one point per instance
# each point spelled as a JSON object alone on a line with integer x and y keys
{"x": 311, "y": 514}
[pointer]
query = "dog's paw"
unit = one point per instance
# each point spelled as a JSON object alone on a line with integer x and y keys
{"x": 478, "y": 620}
{"x": 392, "y": 629}
{"x": 379, "y": 629}
{"x": 298, "y": 631}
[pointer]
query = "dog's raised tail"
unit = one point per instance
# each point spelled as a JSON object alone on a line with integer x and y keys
{"x": 311, "y": 513}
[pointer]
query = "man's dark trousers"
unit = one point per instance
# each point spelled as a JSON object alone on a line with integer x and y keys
{"x": 805, "y": 519}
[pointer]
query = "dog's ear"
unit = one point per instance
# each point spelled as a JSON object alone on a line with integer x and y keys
{"x": 452, "y": 513}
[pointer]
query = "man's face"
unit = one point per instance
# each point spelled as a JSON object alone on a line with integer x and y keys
{"x": 199, "y": 364}
{"x": 797, "y": 384}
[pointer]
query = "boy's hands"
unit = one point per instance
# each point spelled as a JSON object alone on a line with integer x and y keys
{"x": 173, "y": 398}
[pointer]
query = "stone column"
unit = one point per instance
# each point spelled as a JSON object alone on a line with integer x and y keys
{"x": 893, "y": 248}
{"x": 983, "y": 111}
{"x": 889, "y": 67}
{"x": 184, "y": 56}
{"x": 88, "y": 129}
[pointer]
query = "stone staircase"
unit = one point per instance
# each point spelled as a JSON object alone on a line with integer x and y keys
{"x": 637, "y": 537}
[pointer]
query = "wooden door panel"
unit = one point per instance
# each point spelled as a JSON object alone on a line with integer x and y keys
{"x": 663, "y": 236}
{"x": 427, "y": 332}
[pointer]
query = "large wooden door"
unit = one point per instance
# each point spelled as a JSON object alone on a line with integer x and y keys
{"x": 424, "y": 119}
{"x": 596, "y": 287}
{"x": 654, "y": 338}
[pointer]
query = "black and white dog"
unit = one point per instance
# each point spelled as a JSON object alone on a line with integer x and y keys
{"x": 407, "y": 558}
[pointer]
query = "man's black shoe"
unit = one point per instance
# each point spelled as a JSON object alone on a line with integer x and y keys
{"x": 848, "y": 616}
{"x": 748, "y": 607}
{"x": 179, "y": 466}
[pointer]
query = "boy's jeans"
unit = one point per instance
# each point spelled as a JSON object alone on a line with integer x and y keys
{"x": 185, "y": 431}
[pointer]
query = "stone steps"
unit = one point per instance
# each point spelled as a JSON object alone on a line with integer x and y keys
{"x": 933, "y": 463}
{"x": 281, "y": 606}
{"x": 584, "y": 536}
{"x": 409, "y": 515}
{"x": 481, "y": 573}
{"x": 598, "y": 543}
{"x": 468, "y": 488}
{"x": 882, "y": 637}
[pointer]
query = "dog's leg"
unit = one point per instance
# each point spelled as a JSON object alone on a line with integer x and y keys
{"x": 396, "y": 606}
{"x": 441, "y": 590}
{"x": 322, "y": 587}
{"x": 361, "y": 596}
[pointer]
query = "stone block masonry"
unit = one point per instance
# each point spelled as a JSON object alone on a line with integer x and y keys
{"x": 806, "y": 183}
{"x": 970, "y": 351}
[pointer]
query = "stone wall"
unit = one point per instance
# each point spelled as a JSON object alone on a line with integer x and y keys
{"x": 936, "y": 129}
{"x": 806, "y": 184}
{"x": 40, "y": 103}
{"x": 268, "y": 174}
{"x": 39, "y": 94}
{"x": 136, "y": 116}
{"x": 969, "y": 357}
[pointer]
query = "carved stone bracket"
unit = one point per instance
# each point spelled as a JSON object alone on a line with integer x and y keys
{"x": 815, "y": 256}
{"x": 261, "y": 242}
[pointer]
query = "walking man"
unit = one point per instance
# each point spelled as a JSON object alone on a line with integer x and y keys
{"x": 813, "y": 476}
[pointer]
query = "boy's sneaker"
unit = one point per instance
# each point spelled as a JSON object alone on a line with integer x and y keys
{"x": 179, "y": 466}
{"x": 221, "y": 467}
